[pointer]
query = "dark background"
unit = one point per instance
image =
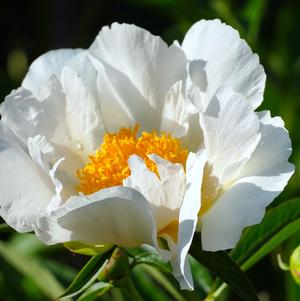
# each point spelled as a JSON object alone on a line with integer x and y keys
{"x": 29, "y": 28}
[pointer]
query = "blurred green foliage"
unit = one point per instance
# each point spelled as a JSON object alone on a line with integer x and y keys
{"x": 31, "y": 271}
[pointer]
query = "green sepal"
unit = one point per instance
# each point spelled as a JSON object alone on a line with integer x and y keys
{"x": 117, "y": 266}
{"x": 87, "y": 249}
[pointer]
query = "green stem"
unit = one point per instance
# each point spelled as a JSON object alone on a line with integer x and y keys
{"x": 212, "y": 296}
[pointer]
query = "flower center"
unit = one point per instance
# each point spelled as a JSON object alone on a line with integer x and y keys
{"x": 210, "y": 190}
{"x": 108, "y": 166}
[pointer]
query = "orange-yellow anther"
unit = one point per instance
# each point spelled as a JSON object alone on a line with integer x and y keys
{"x": 108, "y": 166}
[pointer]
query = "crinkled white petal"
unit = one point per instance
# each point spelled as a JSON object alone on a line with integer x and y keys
{"x": 42, "y": 152}
{"x": 26, "y": 189}
{"x": 230, "y": 60}
{"x": 117, "y": 215}
{"x": 67, "y": 117}
{"x": 164, "y": 194}
{"x": 52, "y": 63}
{"x": 27, "y": 115}
{"x": 136, "y": 70}
{"x": 188, "y": 218}
{"x": 261, "y": 180}
{"x": 231, "y": 133}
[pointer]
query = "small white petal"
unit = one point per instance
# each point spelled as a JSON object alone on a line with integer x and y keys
{"x": 117, "y": 215}
{"x": 230, "y": 61}
{"x": 165, "y": 194}
{"x": 261, "y": 180}
{"x": 188, "y": 218}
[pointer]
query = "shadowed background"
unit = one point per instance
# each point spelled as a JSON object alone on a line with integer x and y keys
{"x": 30, "y": 28}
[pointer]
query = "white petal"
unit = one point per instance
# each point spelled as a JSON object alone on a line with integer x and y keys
{"x": 273, "y": 150}
{"x": 67, "y": 117}
{"x": 262, "y": 179}
{"x": 27, "y": 116}
{"x": 164, "y": 195}
{"x": 25, "y": 189}
{"x": 42, "y": 152}
{"x": 231, "y": 133}
{"x": 82, "y": 113}
{"x": 197, "y": 74}
{"x": 230, "y": 60}
{"x": 117, "y": 215}
{"x": 121, "y": 104}
{"x": 53, "y": 63}
{"x": 175, "y": 112}
{"x": 188, "y": 218}
{"x": 140, "y": 67}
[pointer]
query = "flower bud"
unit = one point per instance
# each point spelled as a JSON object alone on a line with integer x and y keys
{"x": 295, "y": 264}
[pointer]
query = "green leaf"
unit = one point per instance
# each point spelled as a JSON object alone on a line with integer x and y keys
{"x": 203, "y": 280}
{"x": 224, "y": 11}
{"x": 220, "y": 264}
{"x": 278, "y": 224}
{"x": 163, "y": 281}
{"x": 154, "y": 260}
{"x": 87, "y": 276}
{"x": 30, "y": 267}
{"x": 96, "y": 290}
{"x": 272, "y": 243}
{"x": 253, "y": 12}
{"x": 148, "y": 289}
{"x": 27, "y": 243}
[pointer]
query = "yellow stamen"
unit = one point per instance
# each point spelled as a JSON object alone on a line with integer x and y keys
{"x": 108, "y": 166}
{"x": 171, "y": 229}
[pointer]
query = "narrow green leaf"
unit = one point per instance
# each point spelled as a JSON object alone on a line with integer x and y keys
{"x": 27, "y": 243}
{"x": 87, "y": 276}
{"x": 253, "y": 12}
{"x": 272, "y": 243}
{"x": 255, "y": 237}
{"x": 220, "y": 264}
{"x": 96, "y": 290}
{"x": 30, "y": 267}
{"x": 148, "y": 289}
{"x": 203, "y": 280}
{"x": 116, "y": 295}
{"x": 163, "y": 281}
{"x": 223, "y": 9}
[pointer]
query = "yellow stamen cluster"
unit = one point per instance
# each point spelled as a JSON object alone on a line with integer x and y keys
{"x": 108, "y": 166}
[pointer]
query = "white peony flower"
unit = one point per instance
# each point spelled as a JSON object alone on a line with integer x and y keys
{"x": 132, "y": 141}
